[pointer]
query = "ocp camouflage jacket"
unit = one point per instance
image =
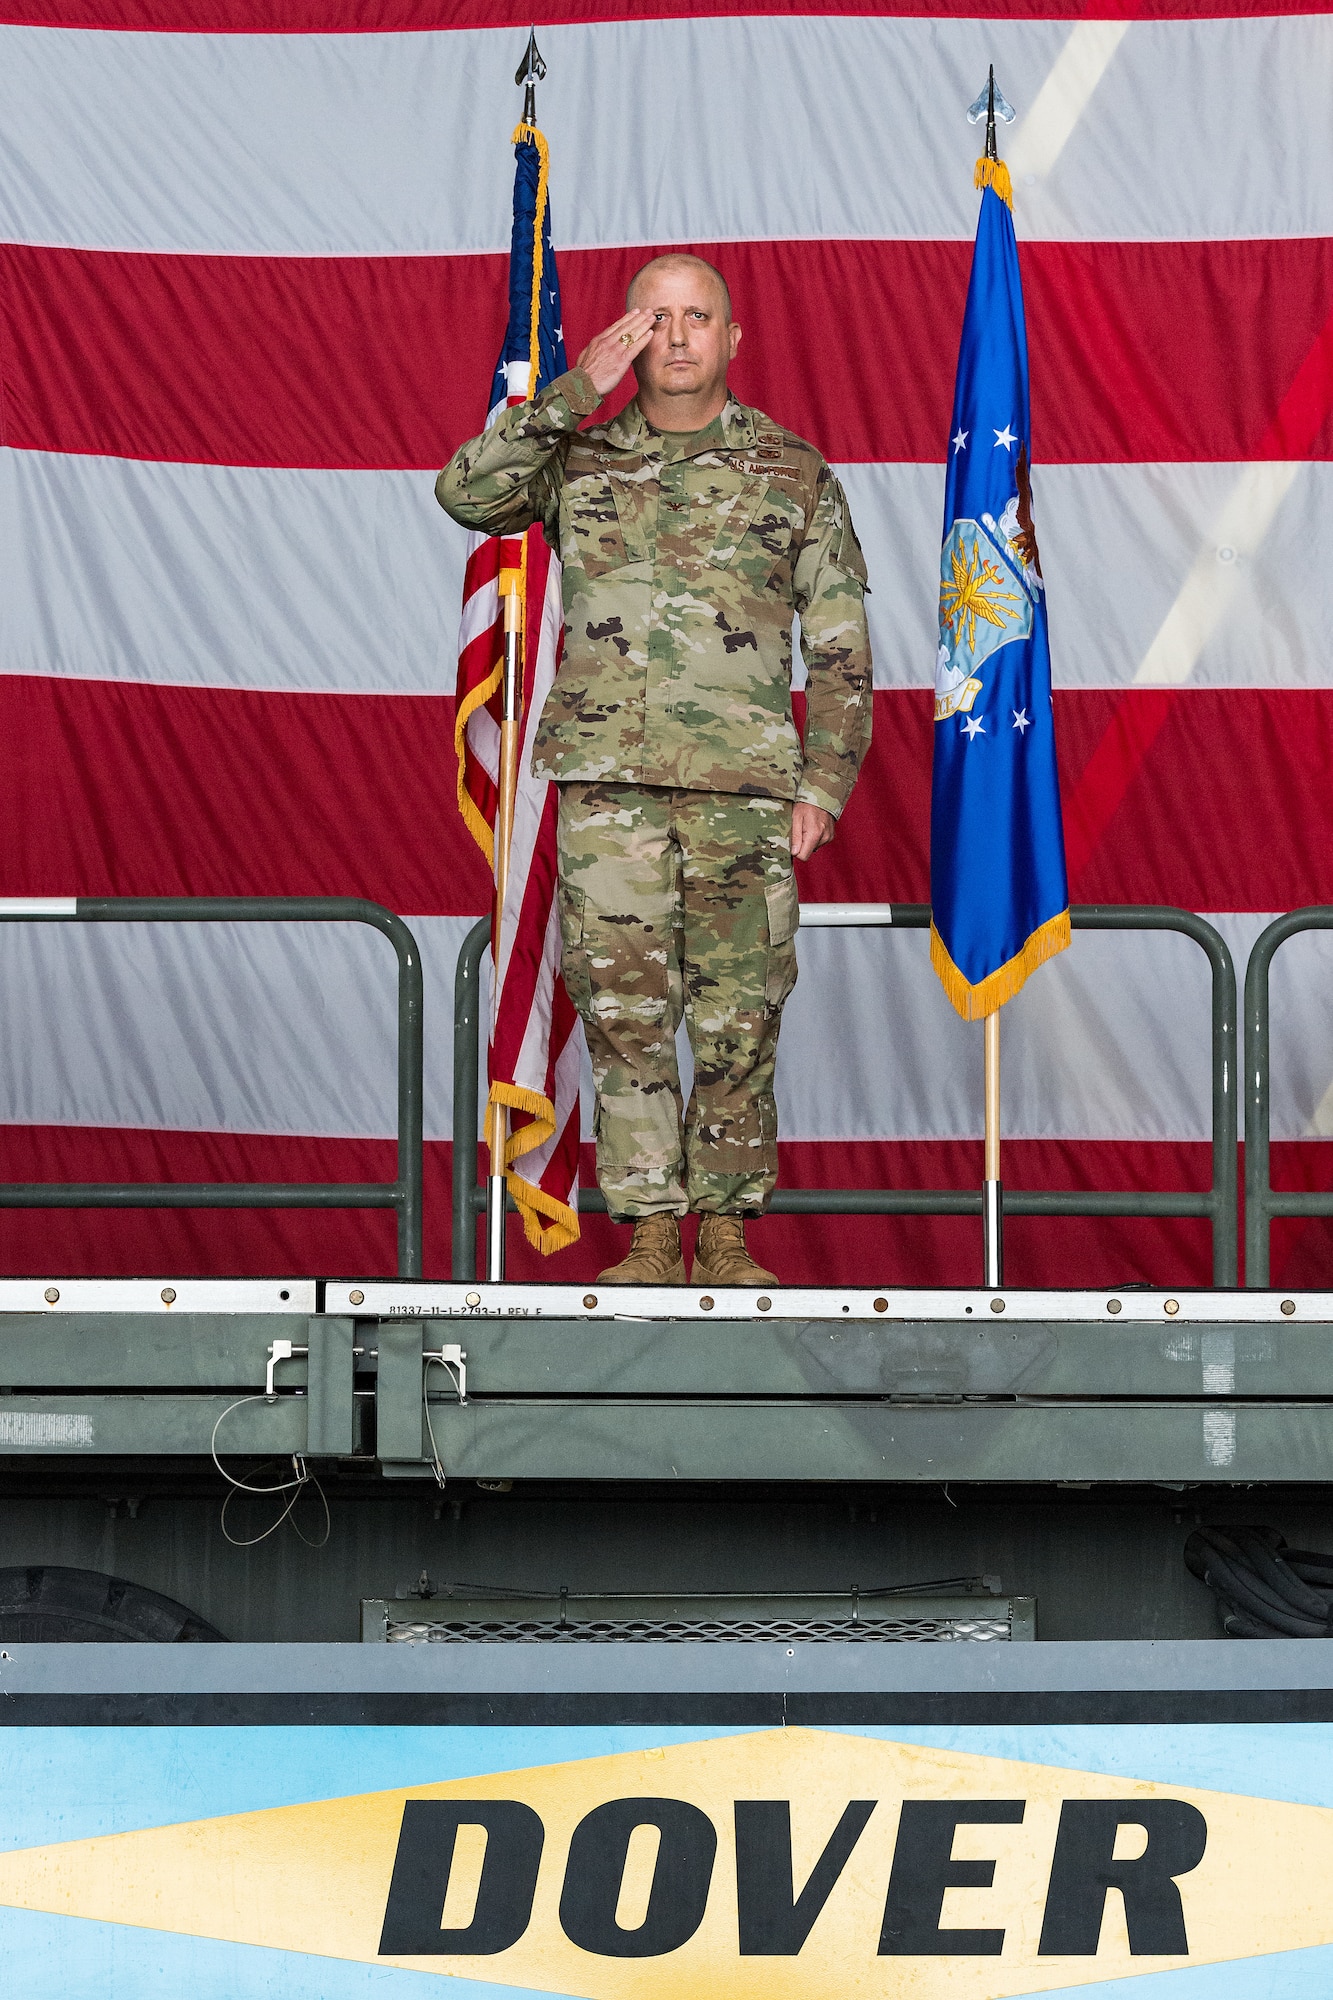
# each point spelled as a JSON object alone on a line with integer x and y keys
{"x": 682, "y": 572}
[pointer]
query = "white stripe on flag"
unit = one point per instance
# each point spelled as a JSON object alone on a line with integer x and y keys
{"x": 289, "y": 1029}
{"x": 383, "y": 144}
{"x": 1039, "y": 139}
{"x": 125, "y": 570}
{"x": 1219, "y": 573}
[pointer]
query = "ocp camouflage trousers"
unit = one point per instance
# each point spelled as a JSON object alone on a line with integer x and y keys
{"x": 677, "y": 904}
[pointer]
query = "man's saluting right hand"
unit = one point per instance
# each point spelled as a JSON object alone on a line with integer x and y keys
{"x": 607, "y": 357}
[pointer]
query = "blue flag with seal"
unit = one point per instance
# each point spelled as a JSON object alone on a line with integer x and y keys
{"x": 999, "y": 897}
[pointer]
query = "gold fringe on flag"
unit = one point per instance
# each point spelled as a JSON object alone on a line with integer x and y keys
{"x": 995, "y": 174}
{"x": 974, "y": 1003}
{"x": 561, "y": 1226}
{"x": 474, "y": 821}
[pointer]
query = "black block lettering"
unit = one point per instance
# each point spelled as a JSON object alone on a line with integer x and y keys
{"x": 596, "y": 1871}
{"x": 774, "y": 1921}
{"x": 426, "y": 1841}
{"x": 924, "y": 1867}
{"x": 1083, "y": 1870}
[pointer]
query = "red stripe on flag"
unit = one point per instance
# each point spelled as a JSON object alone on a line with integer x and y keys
{"x": 117, "y": 789}
{"x": 1212, "y": 799}
{"x": 807, "y": 1250}
{"x": 1140, "y": 351}
{"x": 208, "y": 1242}
{"x": 1097, "y": 796}
{"x": 123, "y": 789}
{"x": 310, "y": 17}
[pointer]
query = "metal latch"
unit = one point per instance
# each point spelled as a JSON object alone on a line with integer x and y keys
{"x": 455, "y": 1357}
{"x": 279, "y": 1350}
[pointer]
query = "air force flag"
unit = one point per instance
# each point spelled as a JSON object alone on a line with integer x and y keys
{"x": 1000, "y": 904}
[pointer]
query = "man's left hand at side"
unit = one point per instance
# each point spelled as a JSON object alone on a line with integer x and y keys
{"x": 811, "y": 829}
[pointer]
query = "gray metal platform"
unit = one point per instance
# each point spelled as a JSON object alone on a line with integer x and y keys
{"x": 630, "y": 1385}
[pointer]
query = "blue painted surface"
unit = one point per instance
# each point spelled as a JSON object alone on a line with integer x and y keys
{"x": 73, "y": 1783}
{"x": 1290, "y": 1761}
{"x": 72, "y": 1958}
{"x": 1287, "y": 1975}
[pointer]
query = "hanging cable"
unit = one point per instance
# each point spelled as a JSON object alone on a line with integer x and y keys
{"x": 295, "y": 1486}
{"x": 451, "y": 1358}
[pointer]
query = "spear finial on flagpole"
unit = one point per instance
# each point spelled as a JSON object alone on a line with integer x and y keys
{"x": 530, "y": 73}
{"x": 991, "y": 104}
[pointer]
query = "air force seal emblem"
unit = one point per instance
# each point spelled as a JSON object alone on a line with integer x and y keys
{"x": 984, "y": 604}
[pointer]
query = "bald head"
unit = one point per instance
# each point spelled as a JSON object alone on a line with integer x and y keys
{"x": 678, "y": 261}
{"x": 682, "y": 372}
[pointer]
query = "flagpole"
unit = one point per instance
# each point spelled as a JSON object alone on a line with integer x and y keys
{"x": 992, "y": 1207}
{"x": 497, "y": 1117}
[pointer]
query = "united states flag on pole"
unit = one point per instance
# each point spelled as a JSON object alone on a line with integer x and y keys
{"x": 535, "y": 1042}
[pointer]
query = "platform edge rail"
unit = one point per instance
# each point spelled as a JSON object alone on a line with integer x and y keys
{"x": 1263, "y": 1203}
{"x": 403, "y": 1194}
{"x": 1218, "y": 1205}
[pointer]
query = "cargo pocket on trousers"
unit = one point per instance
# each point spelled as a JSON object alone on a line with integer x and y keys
{"x": 574, "y": 967}
{"x": 784, "y": 915}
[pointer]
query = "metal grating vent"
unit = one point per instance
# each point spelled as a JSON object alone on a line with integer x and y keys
{"x": 914, "y": 1631}
{"x": 919, "y": 1616}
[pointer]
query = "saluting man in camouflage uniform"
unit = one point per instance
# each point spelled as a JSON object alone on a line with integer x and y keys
{"x": 690, "y": 529}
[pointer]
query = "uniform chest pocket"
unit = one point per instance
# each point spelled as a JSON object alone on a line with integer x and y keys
{"x": 592, "y": 526}
{"x": 750, "y": 523}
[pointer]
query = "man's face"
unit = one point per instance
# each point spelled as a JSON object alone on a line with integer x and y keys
{"x": 693, "y": 342}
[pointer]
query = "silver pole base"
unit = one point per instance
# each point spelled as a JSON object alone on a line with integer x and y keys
{"x": 992, "y": 1233}
{"x": 495, "y": 1229}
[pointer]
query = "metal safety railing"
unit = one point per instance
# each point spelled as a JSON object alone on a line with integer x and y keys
{"x": 1263, "y": 1203}
{"x": 402, "y": 1194}
{"x": 1216, "y": 1205}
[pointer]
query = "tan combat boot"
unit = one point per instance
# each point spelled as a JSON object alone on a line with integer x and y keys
{"x": 655, "y": 1256}
{"x": 720, "y": 1255}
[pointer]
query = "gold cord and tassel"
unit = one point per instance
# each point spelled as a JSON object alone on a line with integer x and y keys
{"x": 995, "y": 174}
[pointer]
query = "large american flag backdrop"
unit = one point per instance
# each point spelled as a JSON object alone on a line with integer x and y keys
{"x": 253, "y": 278}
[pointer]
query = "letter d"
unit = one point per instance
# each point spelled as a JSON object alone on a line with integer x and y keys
{"x": 426, "y": 1841}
